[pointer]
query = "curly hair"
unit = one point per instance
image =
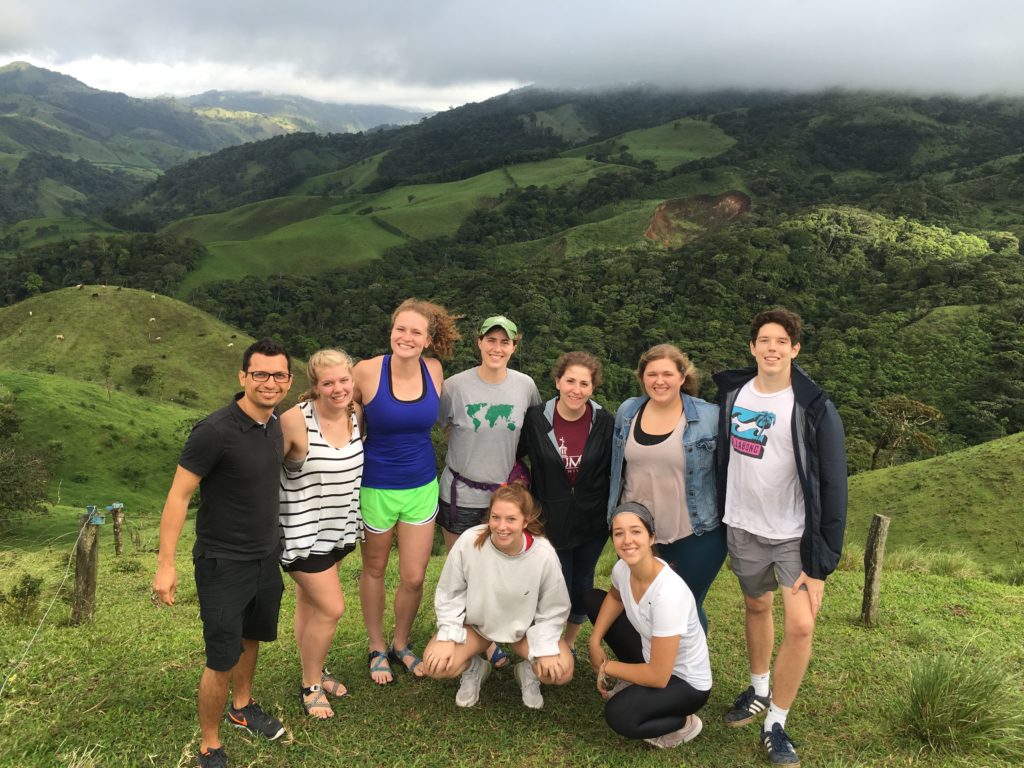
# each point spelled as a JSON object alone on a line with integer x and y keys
{"x": 691, "y": 384}
{"x": 441, "y": 325}
{"x": 515, "y": 493}
{"x": 582, "y": 359}
{"x": 319, "y": 361}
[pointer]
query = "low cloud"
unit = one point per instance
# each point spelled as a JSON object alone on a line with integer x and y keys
{"x": 443, "y": 50}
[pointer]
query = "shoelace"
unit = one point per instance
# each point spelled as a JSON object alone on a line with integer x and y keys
{"x": 780, "y": 739}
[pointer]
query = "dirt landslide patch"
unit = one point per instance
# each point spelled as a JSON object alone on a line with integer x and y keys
{"x": 673, "y": 219}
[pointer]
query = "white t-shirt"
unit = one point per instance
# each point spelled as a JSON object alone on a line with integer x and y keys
{"x": 667, "y": 608}
{"x": 763, "y": 495}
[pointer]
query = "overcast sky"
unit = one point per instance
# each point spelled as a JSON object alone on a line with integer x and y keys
{"x": 439, "y": 53}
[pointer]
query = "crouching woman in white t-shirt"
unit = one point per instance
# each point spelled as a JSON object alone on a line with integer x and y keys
{"x": 649, "y": 620}
{"x": 502, "y": 583}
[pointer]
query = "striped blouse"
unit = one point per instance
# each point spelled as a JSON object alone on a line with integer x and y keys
{"x": 320, "y": 498}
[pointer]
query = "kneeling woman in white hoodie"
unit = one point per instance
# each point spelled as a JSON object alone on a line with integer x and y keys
{"x": 502, "y": 583}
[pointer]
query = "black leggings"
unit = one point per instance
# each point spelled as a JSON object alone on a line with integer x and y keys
{"x": 639, "y": 712}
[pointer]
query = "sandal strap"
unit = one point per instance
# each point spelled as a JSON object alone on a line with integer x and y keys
{"x": 319, "y": 700}
{"x": 401, "y": 653}
{"x": 378, "y": 661}
{"x": 331, "y": 685}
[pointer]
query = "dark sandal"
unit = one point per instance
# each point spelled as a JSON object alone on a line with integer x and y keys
{"x": 332, "y": 685}
{"x": 318, "y": 702}
{"x": 397, "y": 656}
{"x": 378, "y": 661}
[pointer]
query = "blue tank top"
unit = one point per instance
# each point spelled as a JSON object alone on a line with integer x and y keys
{"x": 399, "y": 454}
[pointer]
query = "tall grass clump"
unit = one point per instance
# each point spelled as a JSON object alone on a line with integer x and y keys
{"x": 964, "y": 706}
{"x": 953, "y": 564}
{"x": 1012, "y": 574}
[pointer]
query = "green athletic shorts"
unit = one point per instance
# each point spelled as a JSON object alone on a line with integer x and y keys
{"x": 383, "y": 507}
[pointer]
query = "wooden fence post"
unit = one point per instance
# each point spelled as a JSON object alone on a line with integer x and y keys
{"x": 86, "y": 569}
{"x": 117, "y": 511}
{"x": 874, "y": 554}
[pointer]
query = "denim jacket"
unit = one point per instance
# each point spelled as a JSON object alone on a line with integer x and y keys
{"x": 700, "y": 440}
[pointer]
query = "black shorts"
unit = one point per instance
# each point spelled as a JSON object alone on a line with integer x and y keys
{"x": 237, "y": 598}
{"x": 318, "y": 563}
{"x": 465, "y": 517}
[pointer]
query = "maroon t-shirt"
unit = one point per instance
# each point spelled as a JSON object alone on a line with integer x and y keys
{"x": 571, "y": 437}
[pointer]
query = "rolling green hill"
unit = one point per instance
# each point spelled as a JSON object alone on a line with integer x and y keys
{"x": 103, "y": 446}
{"x": 109, "y": 141}
{"x": 968, "y": 500}
{"x": 100, "y": 335}
{"x": 307, "y": 234}
{"x": 294, "y": 113}
{"x": 666, "y": 146}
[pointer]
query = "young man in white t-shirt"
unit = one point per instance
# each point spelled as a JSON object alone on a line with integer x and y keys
{"x": 782, "y": 493}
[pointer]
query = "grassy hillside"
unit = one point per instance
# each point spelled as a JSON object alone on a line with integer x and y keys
{"x": 667, "y": 146}
{"x": 307, "y": 234}
{"x": 847, "y": 715}
{"x": 969, "y": 500}
{"x": 104, "y": 446}
{"x": 32, "y": 232}
{"x": 308, "y": 247}
{"x": 108, "y": 332}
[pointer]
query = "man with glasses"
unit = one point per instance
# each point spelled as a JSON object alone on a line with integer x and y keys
{"x": 233, "y": 457}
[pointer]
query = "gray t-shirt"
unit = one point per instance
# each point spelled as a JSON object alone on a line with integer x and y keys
{"x": 485, "y": 421}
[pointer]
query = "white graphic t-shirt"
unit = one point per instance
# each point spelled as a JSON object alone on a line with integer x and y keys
{"x": 763, "y": 495}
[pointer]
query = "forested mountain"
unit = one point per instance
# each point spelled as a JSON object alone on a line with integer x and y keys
{"x": 296, "y": 113}
{"x": 612, "y": 221}
{"x": 68, "y": 149}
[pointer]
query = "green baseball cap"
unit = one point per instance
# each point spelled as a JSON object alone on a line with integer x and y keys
{"x": 499, "y": 321}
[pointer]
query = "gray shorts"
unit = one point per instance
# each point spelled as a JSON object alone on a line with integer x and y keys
{"x": 762, "y": 564}
{"x": 464, "y": 518}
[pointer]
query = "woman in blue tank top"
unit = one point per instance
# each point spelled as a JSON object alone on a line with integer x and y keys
{"x": 400, "y": 394}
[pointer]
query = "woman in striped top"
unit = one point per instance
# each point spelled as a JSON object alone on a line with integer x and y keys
{"x": 320, "y": 518}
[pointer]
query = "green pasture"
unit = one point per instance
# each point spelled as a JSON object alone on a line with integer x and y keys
{"x": 667, "y": 145}
{"x": 969, "y": 500}
{"x": 127, "y": 680}
{"x": 108, "y": 332}
{"x": 310, "y": 246}
{"x": 307, "y": 234}
{"x": 250, "y": 221}
{"x": 353, "y": 178}
{"x": 102, "y": 446}
{"x": 34, "y": 232}
{"x": 564, "y": 120}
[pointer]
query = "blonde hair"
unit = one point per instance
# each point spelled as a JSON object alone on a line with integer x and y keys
{"x": 515, "y": 493}
{"x": 318, "y": 362}
{"x": 441, "y": 327}
{"x": 691, "y": 385}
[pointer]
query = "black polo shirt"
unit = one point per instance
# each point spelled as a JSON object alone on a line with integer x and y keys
{"x": 239, "y": 461}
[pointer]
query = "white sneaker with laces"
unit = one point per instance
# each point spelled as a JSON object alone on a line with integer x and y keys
{"x": 530, "y": 685}
{"x": 474, "y": 676}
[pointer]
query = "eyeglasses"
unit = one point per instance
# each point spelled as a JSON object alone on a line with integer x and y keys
{"x": 279, "y": 376}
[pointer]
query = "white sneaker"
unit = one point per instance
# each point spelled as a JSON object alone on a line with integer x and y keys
{"x": 530, "y": 685}
{"x": 690, "y": 730}
{"x": 469, "y": 688}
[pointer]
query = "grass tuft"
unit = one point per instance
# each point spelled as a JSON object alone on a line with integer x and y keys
{"x": 962, "y": 705}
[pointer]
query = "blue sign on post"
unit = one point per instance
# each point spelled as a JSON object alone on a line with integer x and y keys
{"x": 95, "y": 518}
